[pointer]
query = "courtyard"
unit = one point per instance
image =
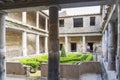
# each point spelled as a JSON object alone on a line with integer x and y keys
{"x": 59, "y": 39}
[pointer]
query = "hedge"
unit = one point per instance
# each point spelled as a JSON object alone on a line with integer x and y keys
{"x": 35, "y": 62}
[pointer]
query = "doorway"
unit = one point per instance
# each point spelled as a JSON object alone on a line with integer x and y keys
{"x": 73, "y": 47}
{"x": 91, "y": 46}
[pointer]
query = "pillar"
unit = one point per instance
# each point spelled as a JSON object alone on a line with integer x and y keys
{"x": 24, "y": 17}
{"x": 84, "y": 44}
{"x": 24, "y": 43}
{"x": 37, "y": 19}
{"x": 46, "y": 24}
{"x": 66, "y": 43}
{"x": 2, "y": 47}
{"x": 118, "y": 45}
{"x": 53, "y": 60}
{"x": 106, "y": 45}
{"x": 103, "y": 44}
{"x": 111, "y": 46}
{"x": 37, "y": 44}
{"x": 46, "y": 44}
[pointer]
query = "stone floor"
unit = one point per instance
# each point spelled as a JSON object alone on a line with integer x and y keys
{"x": 83, "y": 77}
{"x": 90, "y": 77}
{"x": 19, "y": 77}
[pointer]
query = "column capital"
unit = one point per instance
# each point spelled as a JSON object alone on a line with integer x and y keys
{"x": 58, "y": 6}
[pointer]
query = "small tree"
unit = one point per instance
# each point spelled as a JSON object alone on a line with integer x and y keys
{"x": 63, "y": 52}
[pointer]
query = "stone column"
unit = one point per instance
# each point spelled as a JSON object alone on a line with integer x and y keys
{"x": 103, "y": 42}
{"x": 66, "y": 43}
{"x": 53, "y": 60}
{"x": 2, "y": 47}
{"x": 24, "y": 43}
{"x": 46, "y": 24}
{"x": 111, "y": 46}
{"x": 24, "y": 17}
{"x": 37, "y": 45}
{"x": 106, "y": 45}
{"x": 84, "y": 44}
{"x": 37, "y": 19}
{"x": 46, "y": 44}
{"x": 118, "y": 45}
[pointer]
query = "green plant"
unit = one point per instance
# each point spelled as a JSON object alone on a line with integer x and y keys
{"x": 89, "y": 58}
{"x": 63, "y": 52}
{"x": 71, "y": 58}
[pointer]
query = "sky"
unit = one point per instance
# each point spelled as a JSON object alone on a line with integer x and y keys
{"x": 80, "y": 10}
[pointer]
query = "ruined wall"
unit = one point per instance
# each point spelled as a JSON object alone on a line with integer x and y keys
{"x": 69, "y": 27}
{"x": 42, "y": 44}
{"x": 31, "y": 44}
{"x": 41, "y": 22}
{"x": 16, "y": 16}
{"x": 13, "y": 43}
{"x": 31, "y": 18}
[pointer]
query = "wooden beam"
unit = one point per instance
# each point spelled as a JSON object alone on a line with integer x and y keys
{"x": 62, "y": 3}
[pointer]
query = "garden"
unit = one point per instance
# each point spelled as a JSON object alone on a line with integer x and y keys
{"x": 66, "y": 58}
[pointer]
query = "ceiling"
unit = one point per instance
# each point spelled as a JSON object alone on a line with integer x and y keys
{"x": 33, "y": 5}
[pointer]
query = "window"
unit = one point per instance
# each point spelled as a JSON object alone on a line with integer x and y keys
{"x": 73, "y": 47}
{"x": 61, "y": 46}
{"x": 92, "y": 21}
{"x": 61, "y": 23}
{"x": 78, "y": 22}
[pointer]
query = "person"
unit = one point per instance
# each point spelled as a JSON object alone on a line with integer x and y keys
{"x": 88, "y": 48}
{"x": 95, "y": 52}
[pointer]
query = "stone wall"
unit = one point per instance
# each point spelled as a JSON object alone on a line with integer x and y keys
{"x": 16, "y": 16}
{"x": 74, "y": 71}
{"x": 13, "y": 43}
{"x": 15, "y": 68}
{"x": 31, "y": 18}
{"x": 69, "y": 27}
{"x": 31, "y": 44}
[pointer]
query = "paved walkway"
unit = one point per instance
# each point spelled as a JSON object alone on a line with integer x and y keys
{"x": 90, "y": 77}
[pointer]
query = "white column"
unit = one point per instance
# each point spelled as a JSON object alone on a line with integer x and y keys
{"x": 106, "y": 45}
{"x": 103, "y": 45}
{"x": 84, "y": 44}
{"x": 2, "y": 47}
{"x": 46, "y": 44}
{"x": 37, "y": 45}
{"x": 24, "y": 17}
{"x": 24, "y": 43}
{"x": 66, "y": 43}
{"x": 46, "y": 24}
{"x": 37, "y": 19}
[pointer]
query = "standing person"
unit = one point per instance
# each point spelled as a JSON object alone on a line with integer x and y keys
{"x": 88, "y": 48}
{"x": 94, "y": 51}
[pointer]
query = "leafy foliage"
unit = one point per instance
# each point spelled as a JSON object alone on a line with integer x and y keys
{"x": 63, "y": 52}
{"x": 71, "y": 58}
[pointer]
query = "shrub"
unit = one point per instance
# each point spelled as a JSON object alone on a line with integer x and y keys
{"x": 35, "y": 62}
{"x": 89, "y": 58}
{"x": 63, "y": 52}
